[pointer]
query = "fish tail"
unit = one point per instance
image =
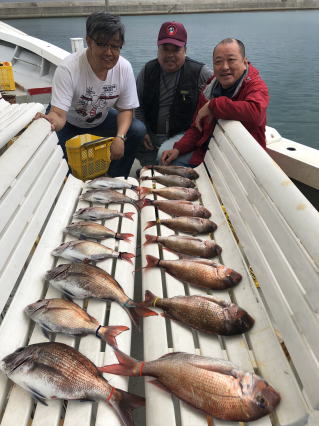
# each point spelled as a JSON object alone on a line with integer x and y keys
{"x": 127, "y": 365}
{"x": 125, "y": 404}
{"x": 150, "y": 223}
{"x": 139, "y": 204}
{"x": 109, "y": 333}
{"x": 152, "y": 261}
{"x": 136, "y": 311}
{"x": 144, "y": 191}
{"x": 124, "y": 237}
{"x": 126, "y": 256}
{"x": 150, "y": 239}
{"x": 150, "y": 298}
{"x": 129, "y": 215}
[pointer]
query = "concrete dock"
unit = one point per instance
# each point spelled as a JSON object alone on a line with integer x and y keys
{"x": 42, "y": 9}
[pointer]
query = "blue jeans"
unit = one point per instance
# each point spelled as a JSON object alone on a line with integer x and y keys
{"x": 182, "y": 160}
{"x": 108, "y": 128}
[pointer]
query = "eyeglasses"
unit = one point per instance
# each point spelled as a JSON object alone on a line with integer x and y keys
{"x": 113, "y": 47}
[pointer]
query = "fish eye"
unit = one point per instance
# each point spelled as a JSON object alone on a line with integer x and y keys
{"x": 261, "y": 402}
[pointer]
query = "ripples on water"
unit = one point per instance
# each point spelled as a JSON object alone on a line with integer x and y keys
{"x": 282, "y": 45}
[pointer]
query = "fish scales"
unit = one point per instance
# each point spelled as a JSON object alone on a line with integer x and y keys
{"x": 179, "y": 208}
{"x": 57, "y": 371}
{"x": 215, "y": 386}
{"x": 187, "y": 245}
{"x": 197, "y": 273}
{"x": 171, "y": 180}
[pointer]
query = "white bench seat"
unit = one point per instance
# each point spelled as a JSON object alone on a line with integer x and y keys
{"x": 275, "y": 234}
{"x": 38, "y": 201}
{"x": 14, "y": 117}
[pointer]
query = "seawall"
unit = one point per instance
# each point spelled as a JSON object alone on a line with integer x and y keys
{"x": 129, "y": 7}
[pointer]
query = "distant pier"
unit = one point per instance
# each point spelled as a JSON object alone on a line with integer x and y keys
{"x": 132, "y": 7}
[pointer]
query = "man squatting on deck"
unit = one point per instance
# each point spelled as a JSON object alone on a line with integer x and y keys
{"x": 235, "y": 92}
{"x": 168, "y": 88}
{"x": 94, "y": 91}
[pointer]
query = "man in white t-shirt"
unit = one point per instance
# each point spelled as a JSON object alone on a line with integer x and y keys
{"x": 94, "y": 92}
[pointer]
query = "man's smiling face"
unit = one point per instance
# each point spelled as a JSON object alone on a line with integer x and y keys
{"x": 228, "y": 63}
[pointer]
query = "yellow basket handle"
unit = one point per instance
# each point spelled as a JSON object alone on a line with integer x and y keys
{"x": 97, "y": 140}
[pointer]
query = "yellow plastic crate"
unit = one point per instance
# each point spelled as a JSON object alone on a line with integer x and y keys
{"x": 89, "y": 156}
{"x": 6, "y": 76}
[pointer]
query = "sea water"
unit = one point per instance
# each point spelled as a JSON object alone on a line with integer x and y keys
{"x": 282, "y": 45}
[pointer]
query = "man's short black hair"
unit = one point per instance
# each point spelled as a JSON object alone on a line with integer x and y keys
{"x": 101, "y": 24}
{"x": 232, "y": 40}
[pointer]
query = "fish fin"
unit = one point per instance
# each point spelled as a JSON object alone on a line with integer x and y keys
{"x": 129, "y": 215}
{"x": 152, "y": 261}
{"x": 126, "y": 256}
{"x": 143, "y": 191}
{"x": 221, "y": 366}
{"x": 158, "y": 384}
{"x": 127, "y": 365}
{"x": 46, "y": 332}
{"x": 109, "y": 333}
{"x": 150, "y": 239}
{"x": 125, "y": 405}
{"x": 150, "y": 223}
{"x": 37, "y": 396}
{"x": 136, "y": 311}
{"x": 139, "y": 204}
{"x": 124, "y": 237}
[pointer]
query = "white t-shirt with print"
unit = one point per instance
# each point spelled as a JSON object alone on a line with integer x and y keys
{"x": 87, "y": 99}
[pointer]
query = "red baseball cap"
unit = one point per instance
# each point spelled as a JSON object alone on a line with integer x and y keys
{"x": 172, "y": 33}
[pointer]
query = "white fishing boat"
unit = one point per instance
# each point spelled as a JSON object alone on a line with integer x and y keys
{"x": 272, "y": 242}
{"x": 34, "y": 62}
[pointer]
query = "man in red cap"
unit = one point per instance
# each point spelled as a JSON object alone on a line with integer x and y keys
{"x": 168, "y": 88}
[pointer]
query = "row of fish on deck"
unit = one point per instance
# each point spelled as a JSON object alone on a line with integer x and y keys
{"x": 55, "y": 370}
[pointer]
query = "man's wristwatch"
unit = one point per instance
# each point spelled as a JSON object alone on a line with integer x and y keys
{"x": 123, "y": 137}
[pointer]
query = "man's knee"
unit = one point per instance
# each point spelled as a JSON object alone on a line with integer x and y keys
{"x": 137, "y": 129}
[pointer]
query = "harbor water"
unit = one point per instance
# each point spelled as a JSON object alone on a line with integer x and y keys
{"x": 282, "y": 45}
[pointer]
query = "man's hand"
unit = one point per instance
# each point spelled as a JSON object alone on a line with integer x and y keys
{"x": 117, "y": 149}
{"x": 148, "y": 143}
{"x": 48, "y": 118}
{"x": 203, "y": 112}
{"x": 169, "y": 155}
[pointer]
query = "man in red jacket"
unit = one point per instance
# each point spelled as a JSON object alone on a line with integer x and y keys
{"x": 235, "y": 92}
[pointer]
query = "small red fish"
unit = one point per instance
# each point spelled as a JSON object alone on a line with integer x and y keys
{"x": 198, "y": 273}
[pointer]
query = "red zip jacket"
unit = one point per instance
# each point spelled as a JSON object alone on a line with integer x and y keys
{"x": 247, "y": 106}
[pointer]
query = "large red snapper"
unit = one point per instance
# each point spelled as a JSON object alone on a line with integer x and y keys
{"x": 57, "y": 371}
{"x": 203, "y": 313}
{"x": 215, "y": 386}
{"x": 81, "y": 281}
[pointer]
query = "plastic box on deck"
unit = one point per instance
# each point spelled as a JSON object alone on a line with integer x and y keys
{"x": 89, "y": 156}
{"x": 6, "y": 76}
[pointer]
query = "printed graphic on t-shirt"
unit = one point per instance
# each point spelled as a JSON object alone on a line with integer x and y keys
{"x": 91, "y": 104}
